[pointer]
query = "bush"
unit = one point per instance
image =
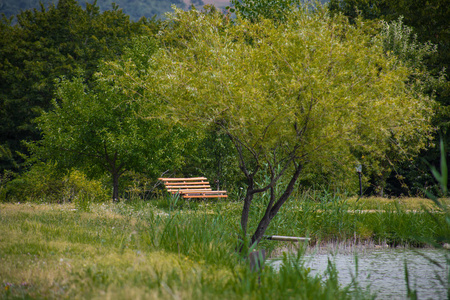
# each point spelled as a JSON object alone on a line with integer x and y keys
{"x": 43, "y": 183}
{"x": 77, "y": 183}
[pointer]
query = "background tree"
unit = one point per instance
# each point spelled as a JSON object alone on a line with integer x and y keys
{"x": 429, "y": 23}
{"x": 99, "y": 130}
{"x": 276, "y": 10}
{"x": 429, "y": 19}
{"x": 44, "y": 45}
{"x": 213, "y": 156}
{"x": 313, "y": 90}
{"x": 252, "y": 10}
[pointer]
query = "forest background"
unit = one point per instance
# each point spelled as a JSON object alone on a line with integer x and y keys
{"x": 69, "y": 40}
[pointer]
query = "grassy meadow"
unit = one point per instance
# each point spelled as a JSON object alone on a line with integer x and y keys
{"x": 165, "y": 249}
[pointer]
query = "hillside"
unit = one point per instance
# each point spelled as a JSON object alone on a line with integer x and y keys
{"x": 134, "y": 8}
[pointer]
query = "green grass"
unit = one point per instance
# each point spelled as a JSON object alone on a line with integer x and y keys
{"x": 165, "y": 249}
{"x": 405, "y": 203}
{"x": 132, "y": 251}
{"x": 409, "y": 222}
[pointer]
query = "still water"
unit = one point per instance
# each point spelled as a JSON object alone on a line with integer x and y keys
{"x": 382, "y": 271}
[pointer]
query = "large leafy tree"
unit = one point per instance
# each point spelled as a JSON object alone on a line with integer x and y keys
{"x": 310, "y": 91}
{"x": 46, "y": 44}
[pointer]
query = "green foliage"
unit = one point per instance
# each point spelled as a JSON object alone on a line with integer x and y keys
{"x": 125, "y": 251}
{"x": 130, "y": 249}
{"x": 442, "y": 178}
{"x": 77, "y": 185}
{"x": 137, "y": 185}
{"x": 45, "y": 44}
{"x": 353, "y": 8}
{"x": 213, "y": 156}
{"x": 252, "y": 10}
{"x": 325, "y": 218}
{"x": 429, "y": 21}
{"x": 401, "y": 41}
{"x": 99, "y": 130}
{"x": 312, "y": 91}
{"x": 44, "y": 183}
{"x": 276, "y": 10}
{"x": 242, "y": 100}
{"x": 40, "y": 184}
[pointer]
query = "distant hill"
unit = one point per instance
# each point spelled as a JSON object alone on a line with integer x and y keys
{"x": 134, "y": 8}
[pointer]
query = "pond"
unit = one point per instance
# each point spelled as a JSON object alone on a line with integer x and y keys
{"x": 382, "y": 271}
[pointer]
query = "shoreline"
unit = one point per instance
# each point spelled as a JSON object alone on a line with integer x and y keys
{"x": 342, "y": 247}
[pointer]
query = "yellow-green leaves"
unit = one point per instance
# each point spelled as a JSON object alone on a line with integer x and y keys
{"x": 313, "y": 87}
{"x": 312, "y": 72}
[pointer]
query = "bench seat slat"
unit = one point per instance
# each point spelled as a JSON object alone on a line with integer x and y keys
{"x": 185, "y": 190}
{"x": 203, "y": 191}
{"x": 205, "y": 196}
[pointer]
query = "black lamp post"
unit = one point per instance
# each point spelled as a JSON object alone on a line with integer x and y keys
{"x": 359, "y": 171}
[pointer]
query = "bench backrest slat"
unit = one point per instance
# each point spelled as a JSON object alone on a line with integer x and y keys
{"x": 184, "y": 179}
{"x": 194, "y": 187}
{"x": 187, "y": 183}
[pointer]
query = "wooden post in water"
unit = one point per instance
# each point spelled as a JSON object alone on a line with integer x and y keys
{"x": 257, "y": 259}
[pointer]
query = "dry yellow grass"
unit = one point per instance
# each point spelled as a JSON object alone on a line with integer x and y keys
{"x": 406, "y": 203}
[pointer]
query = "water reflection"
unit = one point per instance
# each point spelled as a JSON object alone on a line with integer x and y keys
{"x": 383, "y": 272}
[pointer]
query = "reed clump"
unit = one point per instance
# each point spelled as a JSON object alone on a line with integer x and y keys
{"x": 412, "y": 222}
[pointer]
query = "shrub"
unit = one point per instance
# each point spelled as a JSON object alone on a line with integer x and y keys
{"x": 43, "y": 183}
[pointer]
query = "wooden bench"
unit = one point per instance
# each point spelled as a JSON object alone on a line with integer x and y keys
{"x": 195, "y": 187}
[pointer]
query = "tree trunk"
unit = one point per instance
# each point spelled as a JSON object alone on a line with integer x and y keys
{"x": 115, "y": 177}
{"x": 272, "y": 211}
{"x": 245, "y": 211}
